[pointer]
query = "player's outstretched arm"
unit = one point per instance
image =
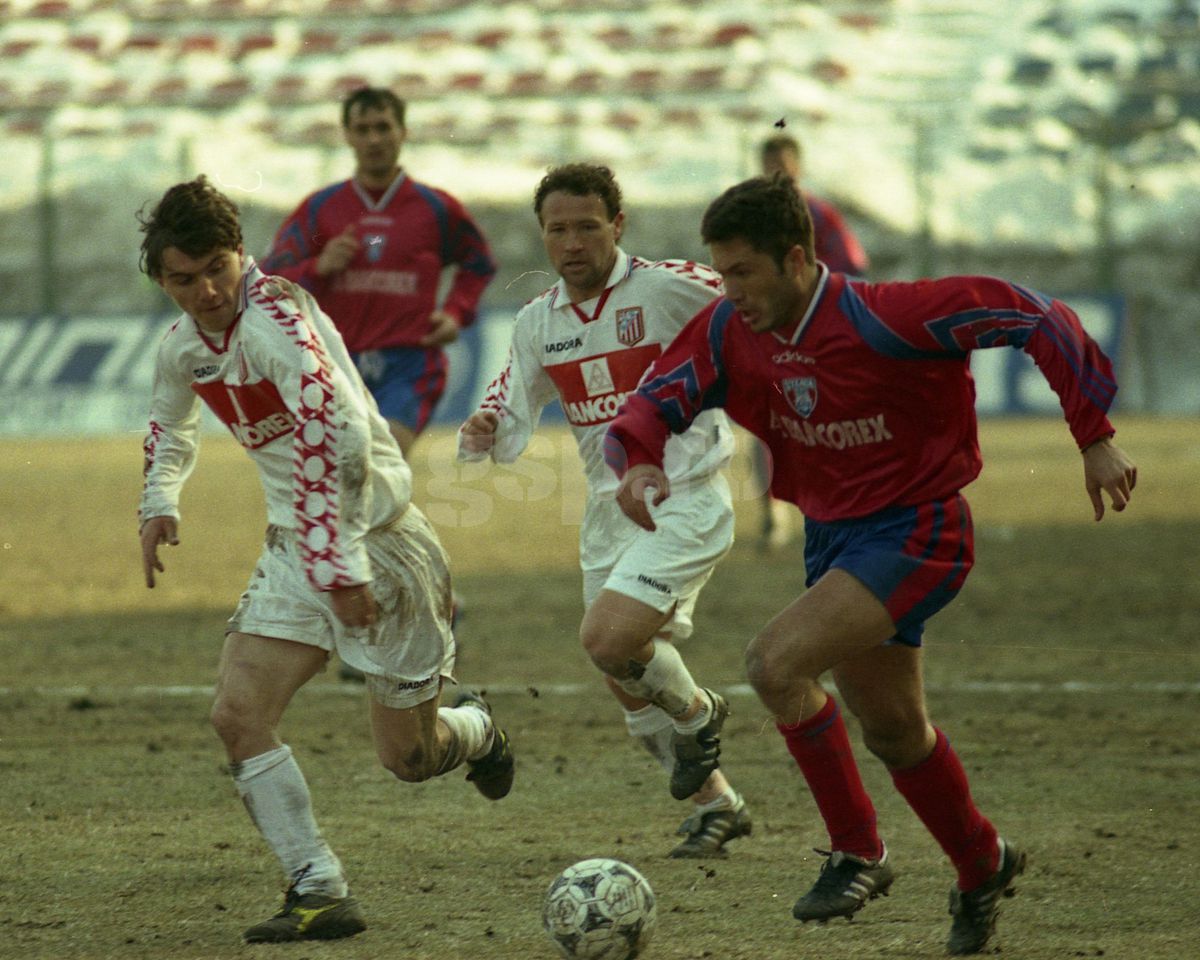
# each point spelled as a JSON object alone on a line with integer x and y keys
{"x": 155, "y": 531}
{"x": 635, "y": 485}
{"x": 1107, "y": 468}
{"x": 479, "y": 431}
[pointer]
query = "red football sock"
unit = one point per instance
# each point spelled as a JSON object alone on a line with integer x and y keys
{"x": 821, "y": 748}
{"x": 937, "y": 790}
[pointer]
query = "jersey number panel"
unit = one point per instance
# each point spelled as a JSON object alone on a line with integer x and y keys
{"x": 593, "y": 389}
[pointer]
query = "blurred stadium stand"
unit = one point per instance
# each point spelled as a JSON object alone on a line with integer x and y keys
{"x": 1056, "y": 141}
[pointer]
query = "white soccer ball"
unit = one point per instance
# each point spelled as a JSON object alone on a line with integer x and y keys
{"x": 599, "y": 909}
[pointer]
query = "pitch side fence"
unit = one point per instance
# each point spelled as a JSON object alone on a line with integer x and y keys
{"x": 91, "y": 376}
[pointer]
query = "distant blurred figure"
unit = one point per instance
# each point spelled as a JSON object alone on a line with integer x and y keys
{"x": 372, "y": 250}
{"x": 838, "y": 248}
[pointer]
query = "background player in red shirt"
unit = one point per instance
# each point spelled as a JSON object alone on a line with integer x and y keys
{"x": 863, "y": 394}
{"x": 372, "y": 250}
{"x": 839, "y": 249}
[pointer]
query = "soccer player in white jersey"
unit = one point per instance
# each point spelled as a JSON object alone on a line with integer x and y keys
{"x": 586, "y": 341}
{"x": 349, "y": 564}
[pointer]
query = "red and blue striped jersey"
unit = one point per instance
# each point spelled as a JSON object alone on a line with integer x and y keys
{"x": 869, "y": 403}
{"x": 407, "y": 237}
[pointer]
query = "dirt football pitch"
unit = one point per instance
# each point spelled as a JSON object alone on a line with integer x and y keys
{"x": 1066, "y": 674}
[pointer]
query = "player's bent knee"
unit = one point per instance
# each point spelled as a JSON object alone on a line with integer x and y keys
{"x": 609, "y": 650}
{"x": 411, "y": 763}
{"x": 768, "y": 671}
{"x": 232, "y": 721}
{"x": 903, "y": 740}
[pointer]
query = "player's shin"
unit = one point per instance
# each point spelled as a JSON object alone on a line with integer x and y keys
{"x": 277, "y": 799}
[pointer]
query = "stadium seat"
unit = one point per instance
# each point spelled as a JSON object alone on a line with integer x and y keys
{"x": 411, "y": 86}
{"x": 730, "y": 33}
{"x": 252, "y": 43}
{"x": 472, "y": 82}
{"x": 51, "y": 10}
{"x": 829, "y": 71}
{"x": 702, "y": 79}
{"x": 226, "y": 92}
{"x": 587, "y": 81}
{"x": 168, "y": 92}
{"x": 319, "y": 43}
{"x": 645, "y": 81}
{"x": 346, "y": 84}
{"x": 48, "y": 94}
{"x": 287, "y": 90}
{"x": 527, "y": 83}
{"x": 88, "y": 43}
{"x": 14, "y": 49}
{"x": 112, "y": 92}
{"x": 492, "y": 39}
{"x": 201, "y": 43}
{"x": 1031, "y": 71}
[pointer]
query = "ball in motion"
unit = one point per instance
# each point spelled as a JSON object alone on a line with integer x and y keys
{"x": 599, "y": 909}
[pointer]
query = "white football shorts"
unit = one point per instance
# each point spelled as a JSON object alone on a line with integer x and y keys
{"x": 664, "y": 568}
{"x": 407, "y": 652}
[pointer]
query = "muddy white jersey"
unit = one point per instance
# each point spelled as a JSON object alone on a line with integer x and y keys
{"x": 591, "y": 355}
{"x": 281, "y": 380}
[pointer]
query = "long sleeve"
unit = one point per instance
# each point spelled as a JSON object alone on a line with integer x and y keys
{"x": 468, "y": 251}
{"x": 517, "y": 397}
{"x": 331, "y": 448}
{"x": 952, "y": 316}
{"x": 171, "y": 443}
{"x": 686, "y": 380}
{"x": 294, "y": 251}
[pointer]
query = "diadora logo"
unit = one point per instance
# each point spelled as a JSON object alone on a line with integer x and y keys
{"x": 564, "y": 345}
{"x": 653, "y": 584}
{"x": 792, "y": 356}
{"x": 209, "y": 370}
{"x": 412, "y": 684}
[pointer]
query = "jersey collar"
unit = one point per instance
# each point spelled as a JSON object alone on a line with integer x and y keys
{"x": 373, "y": 205}
{"x": 818, "y": 292}
{"x": 561, "y": 300}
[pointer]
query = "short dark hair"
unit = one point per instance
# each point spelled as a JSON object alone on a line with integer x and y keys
{"x": 195, "y": 218}
{"x": 580, "y": 180}
{"x": 781, "y": 143}
{"x": 770, "y": 215}
{"x": 372, "y": 98}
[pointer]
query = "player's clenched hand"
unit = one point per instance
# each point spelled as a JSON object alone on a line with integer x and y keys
{"x": 634, "y": 489}
{"x": 154, "y": 531}
{"x": 443, "y": 329}
{"x": 354, "y": 606}
{"x": 1105, "y": 467}
{"x": 336, "y": 255}
{"x": 479, "y": 431}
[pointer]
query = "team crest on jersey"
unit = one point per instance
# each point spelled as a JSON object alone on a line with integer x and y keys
{"x": 801, "y": 393}
{"x": 374, "y": 243}
{"x": 630, "y": 325}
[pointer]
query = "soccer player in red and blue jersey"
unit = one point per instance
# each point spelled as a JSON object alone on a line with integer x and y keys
{"x": 372, "y": 250}
{"x": 864, "y": 396}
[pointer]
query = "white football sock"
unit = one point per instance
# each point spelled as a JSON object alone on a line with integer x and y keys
{"x": 651, "y": 727}
{"x": 471, "y": 733}
{"x": 665, "y": 681}
{"x": 277, "y": 799}
{"x": 730, "y": 799}
{"x": 701, "y": 717}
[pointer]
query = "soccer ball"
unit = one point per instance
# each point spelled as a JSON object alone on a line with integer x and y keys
{"x": 599, "y": 909}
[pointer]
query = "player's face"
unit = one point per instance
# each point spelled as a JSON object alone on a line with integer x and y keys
{"x": 375, "y": 136}
{"x": 767, "y": 296}
{"x": 204, "y": 287}
{"x": 580, "y": 241}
